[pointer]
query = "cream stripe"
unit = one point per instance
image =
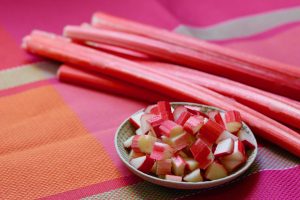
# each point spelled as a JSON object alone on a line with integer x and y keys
{"x": 243, "y": 26}
{"x": 27, "y": 74}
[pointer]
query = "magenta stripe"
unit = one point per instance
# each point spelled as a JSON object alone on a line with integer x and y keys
{"x": 96, "y": 188}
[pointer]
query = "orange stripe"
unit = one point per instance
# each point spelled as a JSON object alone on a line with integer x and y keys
{"x": 44, "y": 149}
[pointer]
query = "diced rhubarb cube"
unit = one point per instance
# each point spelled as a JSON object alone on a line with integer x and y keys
{"x": 145, "y": 126}
{"x": 154, "y": 167}
{"x": 195, "y": 110}
{"x": 143, "y": 143}
{"x": 233, "y": 121}
{"x": 152, "y": 109}
{"x": 215, "y": 171}
{"x": 225, "y": 147}
{"x": 191, "y": 164}
{"x": 139, "y": 131}
{"x": 133, "y": 154}
{"x": 173, "y": 178}
{"x": 178, "y": 111}
{"x": 135, "y": 120}
{"x": 182, "y": 154}
{"x": 183, "y": 117}
{"x": 236, "y": 158}
{"x": 161, "y": 151}
{"x": 193, "y": 124}
{"x": 202, "y": 153}
{"x": 210, "y": 132}
{"x": 170, "y": 128}
{"x": 226, "y": 134}
{"x": 178, "y": 165}
{"x": 155, "y": 122}
{"x": 164, "y": 167}
{"x": 128, "y": 142}
{"x": 246, "y": 139}
{"x": 194, "y": 176}
{"x": 216, "y": 117}
{"x": 180, "y": 141}
{"x": 165, "y": 111}
{"x": 144, "y": 163}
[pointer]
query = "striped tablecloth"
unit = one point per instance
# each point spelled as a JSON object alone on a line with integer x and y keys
{"x": 56, "y": 140}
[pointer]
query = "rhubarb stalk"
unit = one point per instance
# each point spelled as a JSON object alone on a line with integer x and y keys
{"x": 136, "y": 73}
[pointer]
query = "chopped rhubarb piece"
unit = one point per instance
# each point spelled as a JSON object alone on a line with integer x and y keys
{"x": 182, "y": 154}
{"x": 225, "y": 147}
{"x": 151, "y": 133}
{"x": 216, "y": 117}
{"x": 195, "y": 110}
{"x": 210, "y": 132}
{"x": 194, "y": 176}
{"x": 232, "y": 165}
{"x": 139, "y": 131}
{"x": 180, "y": 141}
{"x": 183, "y": 117}
{"x": 133, "y": 154}
{"x": 145, "y": 126}
{"x": 166, "y": 140}
{"x": 161, "y": 151}
{"x": 191, "y": 164}
{"x": 178, "y": 111}
{"x": 178, "y": 165}
{"x": 233, "y": 121}
{"x": 236, "y": 158}
{"x": 170, "y": 128}
{"x": 202, "y": 153}
{"x": 215, "y": 171}
{"x": 155, "y": 123}
{"x": 144, "y": 163}
{"x": 154, "y": 167}
{"x": 246, "y": 139}
{"x": 224, "y": 135}
{"x": 165, "y": 111}
{"x": 193, "y": 124}
{"x": 192, "y": 139}
{"x": 143, "y": 143}
{"x": 173, "y": 178}
{"x": 135, "y": 120}
{"x": 152, "y": 109}
{"x": 164, "y": 167}
{"x": 128, "y": 142}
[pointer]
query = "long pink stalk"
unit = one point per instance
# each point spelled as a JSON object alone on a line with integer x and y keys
{"x": 103, "y": 20}
{"x": 70, "y": 74}
{"x": 149, "y": 78}
{"x": 261, "y": 77}
{"x": 251, "y": 97}
{"x": 179, "y": 70}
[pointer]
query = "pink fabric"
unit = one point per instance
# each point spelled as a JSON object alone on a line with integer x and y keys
{"x": 283, "y": 46}
{"x": 101, "y": 113}
{"x": 283, "y": 184}
{"x": 204, "y": 13}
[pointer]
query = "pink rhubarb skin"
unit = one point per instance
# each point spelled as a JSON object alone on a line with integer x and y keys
{"x": 106, "y": 21}
{"x": 151, "y": 79}
{"x": 286, "y": 84}
{"x": 280, "y": 108}
{"x": 69, "y": 74}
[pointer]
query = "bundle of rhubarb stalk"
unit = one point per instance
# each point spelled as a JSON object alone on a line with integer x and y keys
{"x": 147, "y": 63}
